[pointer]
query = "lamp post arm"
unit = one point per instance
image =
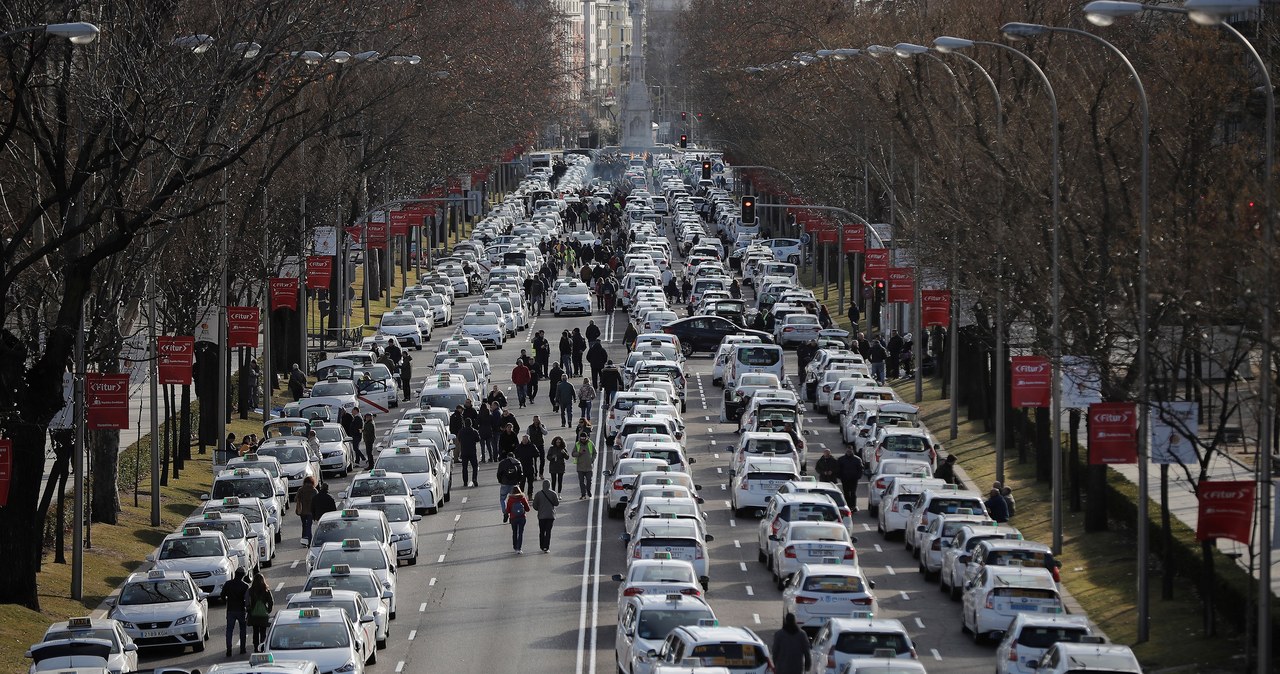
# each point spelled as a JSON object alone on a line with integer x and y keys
{"x": 19, "y": 31}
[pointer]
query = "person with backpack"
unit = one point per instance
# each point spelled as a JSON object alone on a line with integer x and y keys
{"x": 545, "y": 503}
{"x": 557, "y": 458}
{"x": 510, "y": 476}
{"x": 586, "y": 394}
{"x": 528, "y": 455}
{"x": 515, "y": 508}
{"x": 584, "y": 455}
{"x": 260, "y": 603}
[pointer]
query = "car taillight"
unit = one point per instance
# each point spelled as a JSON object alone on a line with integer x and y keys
{"x": 692, "y": 592}
{"x": 1057, "y": 577}
{"x": 788, "y": 329}
{"x": 636, "y": 554}
{"x": 827, "y": 388}
{"x": 773, "y": 528}
{"x": 990, "y": 603}
{"x": 845, "y": 512}
{"x": 894, "y": 507}
{"x": 937, "y": 544}
{"x": 880, "y": 483}
{"x": 744, "y": 486}
{"x": 806, "y": 600}
{"x": 831, "y": 662}
{"x": 878, "y": 451}
{"x": 850, "y": 554}
{"x": 632, "y": 591}
{"x": 862, "y": 601}
{"x": 789, "y": 552}
{"x": 1013, "y": 652}
{"x": 698, "y": 552}
{"x": 617, "y": 484}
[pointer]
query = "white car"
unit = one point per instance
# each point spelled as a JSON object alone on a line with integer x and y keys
{"x": 796, "y": 329}
{"x": 235, "y": 528}
{"x": 204, "y": 554}
{"x": 1065, "y": 658}
{"x": 255, "y": 513}
{"x": 334, "y": 392}
{"x": 362, "y": 581}
{"x": 121, "y": 658}
{"x": 858, "y": 637}
{"x": 645, "y": 620}
{"x": 400, "y": 517}
{"x": 999, "y": 593}
{"x": 162, "y": 608}
{"x": 932, "y": 543}
{"x": 710, "y": 643}
{"x": 751, "y": 489}
{"x": 487, "y": 328}
{"x": 658, "y": 576}
{"x": 935, "y": 503}
{"x": 325, "y": 636}
{"x": 574, "y": 297}
{"x": 819, "y": 592}
{"x": 297, "y": 461}
{"x": 423, "y": 468}
{"x": 403, "y": 326}
{"x": 621, "y": 479}
{"x": 350, "y": 601}
{"x": 1031, "y": 635}
{"x": 887, "y": 472}
{"x": 810, "y": 543}
{"x": 683, "y": 539}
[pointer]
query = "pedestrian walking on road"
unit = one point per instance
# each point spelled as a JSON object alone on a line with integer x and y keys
{"x": 545, "y": 503}
{"x": 322, "y": 503}
{"x": 596, "y": 358}
{"x": 370, "y": 434}
{"x": 557, "y": 458}
{"x": 520, "y": 377}
{"x": 586, "y": 395}
{"x": 297, "y": 382}
{"x": 516, "y": 508}
{"x": 579, "y": 348}
{"x": 496, "y": 396}
{"x": 528, "y": 455}
{"x": 997, "y": 507}
{"x": 233, "y": 595}
{"x": 302, "y": 506}
{"x": 610, "y": 381}
{"x": 510, "y": 476}
{"x": 584, "y": 456}
{"x": 879, "y": 355}
{"x": 593, "y": 332}
{"x": 850, "y": 472}
{"x": 468, "y": 440}
{"x": 828, "y": 467}
{"x": 487, "y": 428}
{"x": 791, "y": 648}
{"x": 260, "y": 603}
{"x": 553, "y": 386}
{"x": 406, "y": 375}
{"x": 566, "y": 352}
{"x": 565, "y": 395}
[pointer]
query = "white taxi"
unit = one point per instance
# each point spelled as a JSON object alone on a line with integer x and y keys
{"x": 255, "y": 514}
{"x": 348, "y": 524}
{"x": 235, "y": 528}
{"x": 162, "y": 608}
{"x": 810, "y": 543}
{"x": 682, "y": 539}
{"x": 347, "y": 600}
{"x": 857, "y": 637}
{"x": 265, "y": 663}
{"x": 297, "y": 461}
{"x": 374, "y": 482}
{"x": 645, "y": 620}
{"x": 271, "y": 466}
{"x": 487, "y": 328}
{"x": 758, "y": 480}
{"x": 818, "y": 592}
{"x": 400, "y": 517}
{"x": 361, "y": 581}
{"x": 325, "y": 636}
{"x": 252, "y": 482}
{"x": 124, "y": 653}
{"x": 203, "y": 554}
{"x": 1000, "y": 593}
{"x": 422, "y": 467}
{"x": 933, "y": 542}
{"x": 623, "y": 477}
{"x": 709, "y": 644}
{"x": 658, "y": 576}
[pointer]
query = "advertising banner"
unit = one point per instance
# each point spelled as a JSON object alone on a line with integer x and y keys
{"x": 284, "y": 293}
{"x": 319, "y": 271}
{"x": 902, "y": 284}
{"x": 1032, "y": 381}
{"x": 377, "y": 234}
{"x": 1226, "y": 511}
{"x": 876, "y": 264}
{"x": 242, "y": 326}
{"x": 1113, "y": 433}
{"x": 106, "y": 399}
{"x": 177, "y": 355}
{"x": 1173, "y": 424}
{"x": 828, "y": 232}
{"x": 936, "y": 307}
{"x": 855, "y": 238}
{"x": 325, "y": 240}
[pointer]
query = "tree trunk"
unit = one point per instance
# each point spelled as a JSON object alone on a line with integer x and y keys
{"x": 62, "y": 441}
{"x": 1206, "y": 588}
{"x": 1073, "y": 423}
{"x": 167, "y": 434}
{"x": 182, "y": 444}
{"x": 21, "y": 529}
{"x": 105, "y": 505}
{"x": 1044, "y": 446}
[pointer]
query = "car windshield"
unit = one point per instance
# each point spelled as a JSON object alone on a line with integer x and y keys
{"x": 333, "y": 388}
{"x": 834, "y": 584}
{"x": 758, "y": 380}
{"x": 104, "y": 633}
{"x": 574, "y": 289}
{"x": 333, "y": 531}
{"x": 395, "y": 320}
{"x": 867, "y": 643}
{"x": 379, "y": 485}
{"x": 259, "y": 487}
{"x": 362, "y": 583}
{"x": 949, "y": 506}
{"x": 480, "y": 319}
{"x": 308, "y": 635}
{"x": 348, "y": 607}
{"x": 285, "y": 453}
{"x": 156, "y": 592}
{"x": 406, "y": 463}
{"x": 759, "y": 356}
{"x": 446, "y": 400}
{"x": 802, "y": 319}
{"x": 658, "y": 623}
{"x": 231, "y": 529}
{"x": 766, "y": 445}
{"x": 395, "y": 512}
{"x": 251, "y": 514}
{"x": 194, "y": 546}
{"x": 906, "y": 443}
{"x": 330, "y": 434}
{"x": 370, "y": 558}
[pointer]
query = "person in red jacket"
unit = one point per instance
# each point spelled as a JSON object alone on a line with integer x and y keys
{"x": 520, "y": 376}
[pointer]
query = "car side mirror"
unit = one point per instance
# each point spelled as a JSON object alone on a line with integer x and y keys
{"x": 964, "y": 559}
{"x": 853, "y": 539}
{"x": 388, "y": 594}
{"x": 130, "y": 647}
{"x": 606, "y": 473}
{"x": 922, "y": 528}
{"x": 774, "y": 538}
{"x": 416, "y": 518}
{"x": 151, "y": 557}
{"x": 699, "y": 500}
{"x": 366, "y": 618}
{"x": 907, "y": 507}
{"x": 617, "y": 578}
{"x": 872, "y": 584}
{"x": 204, "y": 497}
{"x": 697, "y": 487}
{"x": 692, "y": 460}
{"x": 710, "y": 538}
{"x": 342, "y": 494}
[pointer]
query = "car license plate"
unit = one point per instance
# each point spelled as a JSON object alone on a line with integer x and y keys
{"x": 1024, "y": 607}
{"x": 151, "y": 634}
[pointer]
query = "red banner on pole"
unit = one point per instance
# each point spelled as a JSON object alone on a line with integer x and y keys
{"x": 408, "y": 217}
{"x": 876, "y": 264}
{"x": 1226, "y": 511}
{"x": 354, "y": 232}
{"x": 902, "y": 284}
{"x": 828, "y": 233}
{"x": 1032, "y": 381}
{"x": 6, "y": 470}
{"x": 1113, "y": 433}
{"x": 242, "y": 326}
{"x": 936, "y": 307}
{"x": 284, "y": 293}
{"x": 319, "y": 271}
{"x": 177, "y": 355}
{"x": 377, "y": 234}
{"x": 855, "y": 238}
{"x": 106, "y": 401}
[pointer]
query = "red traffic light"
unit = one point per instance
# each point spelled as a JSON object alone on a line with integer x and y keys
{"x": 684, "y": 115}
{"x": 684, "y": 140}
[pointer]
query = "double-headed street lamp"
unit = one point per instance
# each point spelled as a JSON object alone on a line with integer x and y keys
{"x": 1217, "y": 13}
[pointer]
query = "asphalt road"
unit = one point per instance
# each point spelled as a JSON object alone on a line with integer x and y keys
{"x": 472, "y": 605}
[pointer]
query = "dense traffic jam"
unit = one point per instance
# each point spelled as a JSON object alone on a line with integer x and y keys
{"x": 693, "y": 280}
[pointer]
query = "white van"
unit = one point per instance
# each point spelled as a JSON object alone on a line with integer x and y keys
{"x": 748, "y": 358}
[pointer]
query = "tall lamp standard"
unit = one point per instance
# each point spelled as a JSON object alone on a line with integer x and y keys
{"x": 76, "y": 32}
{"x": 1217, "y": 13}
{"x": 1029, "y": 30}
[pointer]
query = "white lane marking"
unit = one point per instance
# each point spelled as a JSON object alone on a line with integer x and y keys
{"x": 422, "y": 608}
{"x": 890, "y": 570}
{"x": 715, "y": 455}
{"x": 399, "y": 667}
{"x": 878, "y": 548}
{"x": 919, "y": 623}
{"x": 595, "y": 577}
{"x": 733, "y": 522}
{"x": 431, "y": 583}
{"x": 866, "y": 527}
{"x": 279, "y": 586}
{"x": 723, "y": 487}
{"x": 713, "y": 442}
{"x": 936, "y": 655}
{"x": 727, "y": 504}
{"x": 294, "y": 565}
{"x": 756, "y": 617}
{"x": 743, "y": 566}
{"x": 707, "y": 418}
{"x": 464, "y": 499}
{"x": 440, "y": 560}
{"x": 457, "y": 517}
{"x": 737, "y": 543}
{"x": 413, "y": 634}
{"x": 589, "y": 578}
{"x": 750, "y": 592}
{"x": 905, "y": 596}
{"x": 719, "y": 470}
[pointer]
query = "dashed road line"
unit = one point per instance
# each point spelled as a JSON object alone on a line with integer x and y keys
{"x": 890, "y": 570}
{"x": 464, "y": 499}
{"x": 733, "y": 522}
{"x": 431, "y": 583}
{"x": 413, "y": 634}
{"x": 743, "y": 566}
{"x": 713, "y": 442}
{"x": 936, "y": 655}
{"x": 737, "y": 543}
{"x": 727, "y": 504}
{"x": 905, "y": 596}
{"x": 294, "y": 565}
{"x": 440, "y": 560}
{"x": 877, "y": 545}
{"x": 750, "y": 592}
{"x": 719, "y": 470}
{"x": 723, "y": 487}
{"x": 715, "y": 455}
{"x": 919, "y": 623}
{"x": 457, "y": 517}
{"x": 399, "y": 667}
{"x": 422, "y": 608}
{"x": 756, "y": 618}
{"x": 449, "y": 536}
{"x": 279, "y": 586}
{"x": 866, "y": 527}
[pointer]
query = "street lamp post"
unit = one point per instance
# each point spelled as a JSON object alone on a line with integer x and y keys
{"x": 76, "y": 32}
{"x": 1028, "y": 30}
{"x": 1216, "y": 13}
{"x": 952, "y": 44}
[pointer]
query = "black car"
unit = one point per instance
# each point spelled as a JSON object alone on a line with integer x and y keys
{"x": 704, "y": 333}
{"x": 734, "y": 310}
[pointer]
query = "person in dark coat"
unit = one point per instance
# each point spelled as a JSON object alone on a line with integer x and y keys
{"x": 455, "y": 419}
{"x": 487, "y": 429}
{"x": 406, "y": 375}
{"x": 322, "y": 502}
{"x": 557, "y": 458}
{"x": 895, "y": 353}
{"x": 863, "y": 347}
{"x": 855, "y": 313}
{"x": 850, "y": 472}
{"x": 496, "y": 396}
{"x": 553, "y": 380}
{"x": 805, "y": 353}
{"x": 565, "y": 395}
{"x": 879, "y": 355}
{"x": 297, "y": 382}
{"x": 538, "y": 435}
{"x": 593, "y": 332}
{"x": 566, "y": 352}
{"x": 610, "y": 381}
{"x": 369, "y": 433}
{"x": 828, "y": 467}
{"x": 528, "y": 455}
{"x": 629, "y": 337}
{"x": 579, "y": 348}
{"x": 233, "y": 595}
{"x": 997, "y": 507}
{"x": 545, "y": 502}
{"x": 791, "y": 648}
{"x": 260, "y": 603}
{"x": 947, "y": 470}
{"x": 507, "y": 440}
{"x": 596, "y": 358}
{"x": 541, "y": 352}
{"x": 468, "y": 440}
{"x": 509, "y": 419}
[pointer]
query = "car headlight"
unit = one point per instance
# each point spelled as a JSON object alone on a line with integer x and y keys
{"x": 187, "y": 619}
{"x": 349, "y": 667}
{"x": 396, "y": 538}
{"x": 127, "y": 625}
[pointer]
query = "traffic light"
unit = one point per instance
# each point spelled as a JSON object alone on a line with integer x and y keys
{"x": 684, "y": 140}
{"x": 684, "y": 116}
{"x": 880, "y": 290}
{"x": 748, "y": 210}
{"x": 699, "y": 116}
{"x": 706, "y": 170}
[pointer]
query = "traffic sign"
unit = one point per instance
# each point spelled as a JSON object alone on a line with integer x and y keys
{"x": 805, "y": 239}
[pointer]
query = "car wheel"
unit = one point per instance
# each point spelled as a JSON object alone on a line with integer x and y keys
{"x": 717, "y": 382}
{"x": 198, "y": 647}
{"x": 780, "y": 582}
{"x": 413, "y": 561}
{"x": 278, "y": 537}
{"x": 955, "y": 593}
{"x": 266, "y": 563}
{"x": 687, "y": 349}
{"x": 432, "y": 511}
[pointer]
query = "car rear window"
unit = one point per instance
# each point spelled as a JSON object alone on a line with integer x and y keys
{"x": 801, "y": 512}
{"x": 759, "y": 475}
{"x": 728, "y": 655}
{"x": 906, "y": 443}
{"x": 834, "y": 584}
{"x": 1044, "y": 637}
{"x": 867, "y": 643}
{"x": 951, "y": 505}
{"x": 759, "y": 356}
